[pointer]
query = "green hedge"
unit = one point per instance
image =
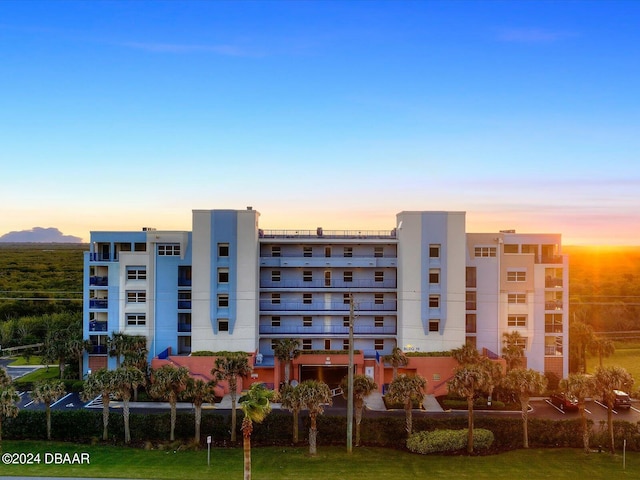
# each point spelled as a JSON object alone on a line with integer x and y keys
{"x": 448, "y": 440}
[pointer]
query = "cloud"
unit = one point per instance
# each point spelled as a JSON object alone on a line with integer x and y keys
{"x": 177, "y": 48}
{"x": 532, "y": 35}
{"x": 39, "y": 235}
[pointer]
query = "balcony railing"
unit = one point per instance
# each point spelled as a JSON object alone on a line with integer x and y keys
{"x": 98, "y": 350}
{"x": 98, "y": 303}
{"x": 388, "y": 305}
{"x": 184, "y": 282}
{"x": 552, "y": 282}
{"x": 184, "y": 304}
{"x": 99, "y": 281}
{"x": 553, "y": 305}
{"x": 184, "y": 327}
{"x": 326, "y": 283}
{"x": 95, "y": 326}
{"x": 321, "y": 233}
{"x": 325, "y": 330}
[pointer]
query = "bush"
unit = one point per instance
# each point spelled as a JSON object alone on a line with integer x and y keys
{"x": 441, "y": 441}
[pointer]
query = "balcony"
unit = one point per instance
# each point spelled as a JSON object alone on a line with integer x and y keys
{"x": 267, "y": 305}
{"x": 184, "y": 304}
{"x": 553, "y": 305}
{"x": 552, "y": 282}
{"x": 98, "y": 303}
{"x": 99, "y": 281}
{"x": 184, "y": 327}
{"x": 325, "y": 330}
{"x": 321, "y": 233}
{"x": 98, "y": 350}
{"x": 328, "y": 283}
{"x": 95, "y": 326}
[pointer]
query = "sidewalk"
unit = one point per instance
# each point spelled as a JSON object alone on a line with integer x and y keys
{"x": 375, "y": 402}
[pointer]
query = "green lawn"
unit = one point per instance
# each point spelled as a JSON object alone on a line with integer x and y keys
{"x": 52, "y": 373}
{"x": 331, "y": 463}
{"x": 33, "y": 360}
{"x": 626, "y": 356}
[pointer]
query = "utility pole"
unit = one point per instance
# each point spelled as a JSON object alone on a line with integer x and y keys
{"x": 350, "y": 380}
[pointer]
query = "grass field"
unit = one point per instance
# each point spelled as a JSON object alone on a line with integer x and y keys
{"x": 331, "y": 463}
{"x": 627, "y": 355}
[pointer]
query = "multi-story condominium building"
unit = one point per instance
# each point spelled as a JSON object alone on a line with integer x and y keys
{"x": 423, "y": 285}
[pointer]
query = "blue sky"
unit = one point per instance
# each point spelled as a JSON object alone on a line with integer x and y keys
{"x": 118, "y": 115}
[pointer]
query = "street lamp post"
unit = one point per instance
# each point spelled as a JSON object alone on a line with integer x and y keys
{"x": 350, "y": 381}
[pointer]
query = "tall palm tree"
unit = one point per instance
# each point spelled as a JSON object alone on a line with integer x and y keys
{"x": 363, "y": 385}
{"x": 125, "y": 380}
{"x": 396, "y": 358}
{"x": 290, "y": 399}
{"x": 101, "y": 382}
{"x": 117, "y": 344}
{"x": 406, "y": 390}
{"x": 198, "y": 391}
{"x": 512, "y": 349}
{"x": 8, "y": 404}
{"x": 256, "y": 406}
{"x": 580, "y": 335}
{"x": 602, "y": 347}
{"x": 607, "y": 380}
{"x": 286, "y": 350}
{"x": 229, "y": 367}
{"x": 525, "y": 383}
{"x": 167, "y": 383}
{"x": 580, "y": 386}
{"x": 47, "y": 392}
{"x": 313, "y": 396}
{"x": 467, "y": 382}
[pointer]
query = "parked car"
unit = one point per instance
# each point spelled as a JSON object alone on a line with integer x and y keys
{"x": 563, "y": 401}
{"x": 621, "y": 400}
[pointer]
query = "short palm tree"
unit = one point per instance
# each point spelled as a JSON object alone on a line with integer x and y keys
{"x": 607, "y": 380}
{"x": 168, "y": 382}
{"x": 286, "y": 350}
{"x": 47, "y": 392}
{"x": 198, "y": 391}
{"x": 229, "y": 367}
{"x": 396, "y": 358}
{"x": 290, "y": 399}
{"x": 363, "y": 386}
{"x": 602, "y": 347}
{"x": 580, "y": 386}
{"x": 407, "y": 389}
{"x": 468, "y": 381}
{"x": 512, "y": 349}
{"x": 127, "y": 379}
{"x": 256, "y": 405}
{"x": 313, "y": 396}
{"x": 466, "y": 355}
{"x": 525, "y": 383}
{"x": 8, "y": 405}
{"x": 101, "y": 383}
{"x": 5, "y": 378}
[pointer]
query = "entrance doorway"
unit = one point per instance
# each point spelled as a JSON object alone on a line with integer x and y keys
{"x": 331, "y": 375}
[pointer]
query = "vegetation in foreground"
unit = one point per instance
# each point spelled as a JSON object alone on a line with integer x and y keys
{"x": 331, "y": 463}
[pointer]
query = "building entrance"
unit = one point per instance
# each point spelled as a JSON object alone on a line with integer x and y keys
{"x": 332, "y": 375}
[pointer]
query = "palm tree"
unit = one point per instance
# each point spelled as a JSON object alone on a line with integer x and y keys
{"x": 168, "y": 382}
{"x": 117, "y": 344}
{"x": 396, "y": 358}
{"x": 135, "y": 355}
{"x": 580, "y": 336}
{"x": 198, "y": 391}
{"x": 286, "y": 350}
{"x": 467, "y": 382}
{"x": 256, "y": 406}
{"x": 407, "y": 389}
{"x": 229, "y": 367}
{"x": 580, "y": 386}
{"x": 513, "y": 349}
{"x": 602, "y": 347}
{"x": 8, "y": 408}
{"x": 525, "y": 383}
{"x": 101, "y": 382}
{"x": 125, "y": 380}
{"x": 5, "y": 378}
{"x": 313, "y": 396}
{"x": 47, "y": 393}
{"x": 607, "y": 380}
{"x": 466, "y": 355}
{"x": 290, "y": 399}
{"x": 363, "y": 385}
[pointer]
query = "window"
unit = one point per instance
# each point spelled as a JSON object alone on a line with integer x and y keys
{"x": 184, "y": 322}
{"x": 517, "y": 320}
{"x": 327, "y": 278}
{"x": 517, "y": 298}
{"x": 348, "y": 251}
{"x": 275, "y": 321}
{"x": 521, "y": 343}
{"x": 275, "y": 251}
{"x": 510, "y": 248}
{"x": 378, "y": 276}
{"x": 223, "y": 275}
{"x": 140, "y": 247}
{"x": 378, "y": 344}
{"x": 378, "y": 252}
{"x": 346, "y": 298}
{"x": 223, "y": 324}
{"x": 347, "y": 276}
{"x": 434, "y": 301}
{"x": 307, "y": 298}
{"x": 136, "y": 319}
{"x": 553, "y": 323}
{"x": 471, "y": 277}
{"x": 346, "y": 321}
{"x": 378, "y": 321}
{"x": 470, "y": 323}
{"x": 553, "y": 346}
{"x": 306, "y": 344}
{"x": 307, "y": 276}
{"x": 184, "y": 275}
{"x": 136, "y": 296}
{"x": 434, "y": 276}
{"x": 223, "y": 300}
{"x": 168, "y": 249}
{"x": 275, "y": 298}
{"x": 307, "y": 321}
{"x": 516, "y": 276}
{"x": 379, "y": 299}
{"x": 223, "y": 250}
{"x": 434, "y": 325}
{"x": 345, "y": 345}
{"x": 275, "y": 275}
{"x": 327, "y": 251}
{"x": 136, "y": 273}
{"x": 327, "y": 344}
{"x": 434, "y": 251}
{"x": 307, "y": 251}
{"x": 471, "y": 300}
{"x": 485, "y": 251}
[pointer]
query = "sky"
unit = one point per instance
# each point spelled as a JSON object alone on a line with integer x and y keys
{"x": 340, "y": 114}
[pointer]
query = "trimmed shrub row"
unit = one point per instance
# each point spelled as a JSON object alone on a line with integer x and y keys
{"x": 445, "y": 441}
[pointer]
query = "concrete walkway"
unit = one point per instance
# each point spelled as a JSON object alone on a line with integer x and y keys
{"x": 375, "y": 402}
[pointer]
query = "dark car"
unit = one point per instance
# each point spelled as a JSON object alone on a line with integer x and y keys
{"x": 621, "y": 400}
{"x": 563, "y": 402}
